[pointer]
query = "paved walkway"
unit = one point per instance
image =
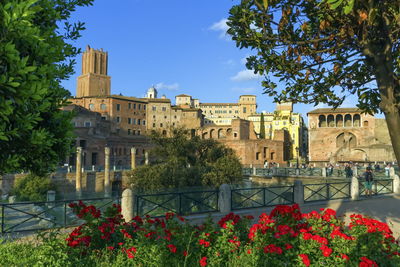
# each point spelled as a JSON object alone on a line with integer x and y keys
{"x": 383, "y": 208}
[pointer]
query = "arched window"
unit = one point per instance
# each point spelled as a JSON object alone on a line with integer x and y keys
{"x": 339, "y": 120}
{"x": 321, "y": 121}
{"x": 331, "y": 121}
{"x": 212, "y": 133}
{"x": 220, "y": 134}
{"x": 365, "y": 123}
{"x": 272, "y": 155}
{"x": 347, "y": 121}
{"x": 357, "y": 120}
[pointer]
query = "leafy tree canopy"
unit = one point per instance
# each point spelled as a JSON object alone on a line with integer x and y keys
{"x": 183, "y": 161}
{"x": 325, "y": 50}
{"x": 36, "y": 54}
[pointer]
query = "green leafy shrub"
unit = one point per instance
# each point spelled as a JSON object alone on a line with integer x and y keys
{"x": 32, "y": 188}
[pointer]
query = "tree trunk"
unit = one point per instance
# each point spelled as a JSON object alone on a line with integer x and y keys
{"x": 393, "y": 124}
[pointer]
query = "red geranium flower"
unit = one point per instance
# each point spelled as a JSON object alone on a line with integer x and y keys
{"x": 305, "y": 259}
{"x": 203, "y": 261}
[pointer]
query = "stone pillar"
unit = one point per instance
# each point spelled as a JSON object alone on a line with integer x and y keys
{"x": 107, "y": 188}
{"x": 92, "y": 168}
{"x": 392, "y": 172}
{"x": 355, "y": 171}
{"x": 396, "y": 184}
{"x": 274, "y": 171}
{"x": 127, "y": 204}
{"x": 298, "y": 192}
{"x": 78, "y": 176}
{"x": 133, "y": 158}
{"x": 323, "y": 171}
{"x": 146, "y": 158}
{"x": 354, "y": 190}
{"x": 297, "y": 171}
{"x": 224, "y": 198}
{"x": 254, "y": 171}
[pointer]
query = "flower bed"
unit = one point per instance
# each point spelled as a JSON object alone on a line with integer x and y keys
{"x": 285, "y": 237}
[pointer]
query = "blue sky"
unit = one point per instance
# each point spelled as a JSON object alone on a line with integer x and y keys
{"x": 178, "y": 45}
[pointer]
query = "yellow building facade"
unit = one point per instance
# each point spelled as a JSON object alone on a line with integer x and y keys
{"x": 283, "y": 118}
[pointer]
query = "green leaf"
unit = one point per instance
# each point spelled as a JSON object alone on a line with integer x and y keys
{"x": 349, "y": 7}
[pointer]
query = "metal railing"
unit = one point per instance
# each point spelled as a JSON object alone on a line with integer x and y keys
{"x": 36, "y": 216}
{"x": 326, "y": 191}
{"x": 182, "y": 203}
{"x": 245, "y": 198}
{"x": 379, "y": 187}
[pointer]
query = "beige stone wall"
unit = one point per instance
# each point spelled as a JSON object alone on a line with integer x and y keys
{"x": 360, "y": 140}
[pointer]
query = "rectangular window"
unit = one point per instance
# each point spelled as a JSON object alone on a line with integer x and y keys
{"x": 164, "y": 109}
{"x": 129, "y": 121}
{"x": 139, "y": 105}
{"x": 129, "y": 131}
{"x": 154, "y": 125}
{"x": 144, "y": 107}
{"x": 138, "y": 132}
{"x": 129, "y": 105}
{"x": 94, "y": 158}
{"x": 144, "y": 122}
{"x": 118, "y": 107}
{"x": 134, "y": 105}
{"x": 134, "y": 132}
{"x": 154, "y": 108}
{"x": 134, "y": 121}
{"x": 244, "y": 109}
{"x": 161, "y": 125}
{"x": 138, "y": 121}
{"x": 88, "y": 124}
{"x": 118, "y": 119}
{"x": 82, "y": 143}
{"x": 103, "y": 118}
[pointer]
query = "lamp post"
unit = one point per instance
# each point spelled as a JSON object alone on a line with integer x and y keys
{"x": 297, "y": 158}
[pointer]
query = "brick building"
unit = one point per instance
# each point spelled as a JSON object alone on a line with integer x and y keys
{"x": 346, "y": 134}
{"x": 251, "y": 150}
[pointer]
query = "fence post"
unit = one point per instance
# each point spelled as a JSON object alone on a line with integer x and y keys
{"x": 298, "y": 192}
{"x": 392, "y": 172}
{"x": 224, "y": 198}
{"x": 355, "y": 190}
{"x": 355, "y": 171}
{"x": 323, "y": 172}
{"x": 274, "y": 171}
{"x": 78, "y": 176}
{"x": 297, "y": 171}
{"x": 127, "y": 204}
{"x": 396, "y": 184}
{"x": 51, "y": 197}
{"x": 254, "y": 171}
{"x": 107, "y": 188}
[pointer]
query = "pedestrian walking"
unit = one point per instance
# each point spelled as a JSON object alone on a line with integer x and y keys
{"x": 368, "y": 177}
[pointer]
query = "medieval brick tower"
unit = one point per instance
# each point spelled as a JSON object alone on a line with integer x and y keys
{"x": 94, "y": 80}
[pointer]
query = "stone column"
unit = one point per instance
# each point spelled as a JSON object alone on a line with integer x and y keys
{"x": 107, "y": 188}
{"x": 146, "y": 158}
{"x": 254, "y": 171}
{"x": 127, "y": 204}
{"x": 396, "y": 184}
{"x": 224, "y": 198}
{"x": 297, "y": 171}
{"x": 298, "y": 192}
{"x": 354, "y": 190}
{"x": 78, "y": 176}
{"x": 133, "y": 158}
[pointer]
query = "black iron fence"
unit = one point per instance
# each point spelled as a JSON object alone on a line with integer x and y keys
{"x": 35, "y": 216}
{"x": 379, "y": 187}
{"x": 245, "y": 198}
{"x": 326, "y": 191}
{"x": 183, "y": 203}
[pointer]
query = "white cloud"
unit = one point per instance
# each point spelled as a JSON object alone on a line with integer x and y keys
{"x": 243, "y": 90}
{"x": 171, "y": 87}
{"x": 221, "y": 27}
{"x": 244, "y": 60}
{"x": 245, "y": 75}
{"x": 229, "y": 62}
